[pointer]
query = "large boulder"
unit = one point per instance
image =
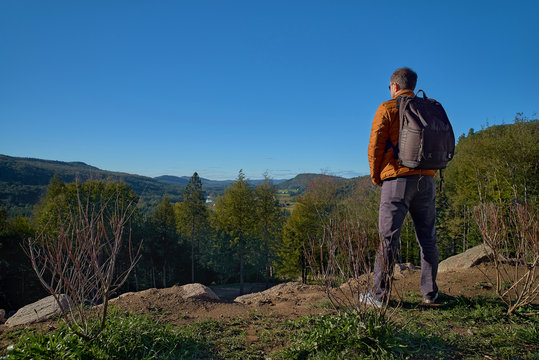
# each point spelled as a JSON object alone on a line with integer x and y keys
{"x": 198, "y": 291}
{"x": 38, "y": 311}
{"x": 174, "y": 293}
{"x": 467, "y": 259}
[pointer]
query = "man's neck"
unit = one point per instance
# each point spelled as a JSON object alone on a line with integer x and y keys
{"x": 406, "y": 92}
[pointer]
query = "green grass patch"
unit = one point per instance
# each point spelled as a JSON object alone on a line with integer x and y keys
{"x": 351, "y": 335}
{"x": 125, "y": 336}
{"x": 476, "y": 328}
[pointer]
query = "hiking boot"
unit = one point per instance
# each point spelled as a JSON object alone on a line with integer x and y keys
{"x": 431, "y": 301}
{"x": 368, "y": 299}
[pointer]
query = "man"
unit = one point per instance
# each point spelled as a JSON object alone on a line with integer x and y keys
{"x": 403, "y": 190}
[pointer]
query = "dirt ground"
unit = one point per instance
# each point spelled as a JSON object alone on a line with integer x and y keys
{"x": 283, "y": 301}
{"x": 290, "y": 300}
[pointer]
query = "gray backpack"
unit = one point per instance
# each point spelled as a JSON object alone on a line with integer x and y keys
{"x": 426, "y": 139}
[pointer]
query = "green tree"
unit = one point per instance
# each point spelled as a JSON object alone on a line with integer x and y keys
{"x": 18, "y": 283}
{"x": 269, "y": 221}
{"x": 500, "y": 164}
{"x": 162, "y": 243}
{"x": 234, "y": 214}
{"x": 53, "y": 208}
{"x": 221, "y": 254}
{"x": 192, "y": 215}
{"x": 306, "y": 224}
{"x": 76, "y": 251}
{"x": 62, "y": 199}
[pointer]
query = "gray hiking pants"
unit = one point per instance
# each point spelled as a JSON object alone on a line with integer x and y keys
{"x": 416, "y": 194}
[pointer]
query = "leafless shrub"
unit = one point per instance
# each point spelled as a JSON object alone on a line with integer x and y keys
{"x": 80, "y": 260}
{"x": 340, "y": 259}
{"x": 513, "y": 239}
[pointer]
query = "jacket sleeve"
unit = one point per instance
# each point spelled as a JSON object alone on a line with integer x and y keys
{"x": 377, "y": 143}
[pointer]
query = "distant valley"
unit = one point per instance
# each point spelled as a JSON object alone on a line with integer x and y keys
{"x": 24, "y": 181}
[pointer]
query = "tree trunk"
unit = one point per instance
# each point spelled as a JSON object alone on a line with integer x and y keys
{"x": 303, "y": 270}
{"x": 465, "y": 225}
{"x": 22, "y": 286}
{"x": 241, "y": 268}
{"x": 136, "y": 280}
{"x": 164, "y": 275}
{"x": 266, "y": 251}
{"x": 193, "y": 251}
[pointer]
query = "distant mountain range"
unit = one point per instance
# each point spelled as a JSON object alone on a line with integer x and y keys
{"x": 24, "y": 181}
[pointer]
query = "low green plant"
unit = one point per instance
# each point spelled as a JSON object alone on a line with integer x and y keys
{"x": 126, "y": 336}
{"x": 61, "y": 344}
{"x": 345, "y": 335}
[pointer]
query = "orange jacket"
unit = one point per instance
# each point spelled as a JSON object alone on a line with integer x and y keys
{"x": 386, "y": 125}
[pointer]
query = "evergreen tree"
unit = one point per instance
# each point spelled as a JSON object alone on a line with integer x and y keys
{"x": 192, "y": 215}
{"x": 269, "y": 221}
{"x": 234, "y": 214}
{"x": 162, "y": 244}
{"x": 306, "y": 224}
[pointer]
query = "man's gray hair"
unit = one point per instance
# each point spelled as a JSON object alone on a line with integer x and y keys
{"x": 405, "y": 77}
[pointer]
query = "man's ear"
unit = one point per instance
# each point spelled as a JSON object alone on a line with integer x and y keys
{"x": 397, "y": 87}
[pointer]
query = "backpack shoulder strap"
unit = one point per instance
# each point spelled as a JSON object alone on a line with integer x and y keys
{"x": 416, "y": 115}
{"x": 402, "y": 103}
{"x": 424, "y": 94}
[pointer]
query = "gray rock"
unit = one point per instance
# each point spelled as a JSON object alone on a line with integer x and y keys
{"x": 470, "y": 258}
{"x": 401, "y": 270}
{"x": 198, "y": 291}
{"x": 276, "y": 292}
{"x": 39, "y": 311}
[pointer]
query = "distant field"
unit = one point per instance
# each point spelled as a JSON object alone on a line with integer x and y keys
{"x": 287, "y": 199}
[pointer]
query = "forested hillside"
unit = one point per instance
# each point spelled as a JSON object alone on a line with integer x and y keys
{"x": 299, "y": 184}
{"x": 498, "y": 164}
{"x": 23, "y": 182}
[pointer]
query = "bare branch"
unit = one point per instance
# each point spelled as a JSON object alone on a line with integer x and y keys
{"x": 513, "y": 238}
{"x": 80, "y": 260}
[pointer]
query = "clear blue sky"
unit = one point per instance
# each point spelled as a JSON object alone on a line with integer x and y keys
{"x": 173, "y": 87}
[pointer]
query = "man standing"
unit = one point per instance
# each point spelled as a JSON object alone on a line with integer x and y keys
{"x": 403, "y": 190}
